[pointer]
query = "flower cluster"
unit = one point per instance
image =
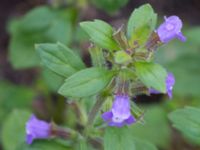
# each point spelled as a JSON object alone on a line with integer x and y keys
{"x": 120, "y": 113}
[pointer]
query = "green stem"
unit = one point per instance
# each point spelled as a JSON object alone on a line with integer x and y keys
{"x": 94, "y": 111}
{"x": 64, "y": 133}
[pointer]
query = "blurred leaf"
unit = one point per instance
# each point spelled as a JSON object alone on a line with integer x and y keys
{"x": 21, "y": 50}
{"x": 13, "y": 132}
{"x": 13, "y": 96}
{"x": 80, "y": 35}
{"x": 175, "y": 49}
{"x": 34, "y": 19}
{"x": 118, "y": 139}
{"x": 12, "y": 24}
{"x": 86, "y": 82}
{"x": 152, "y": 75}
{"x": 43, "y": 145}
{"x": 183, "y": 60}
{"x": 60, "y": 30}
{"x": 187, "y": 121}
{"x": 100, "y": 33}
{"x": 192, "y": 35}
{"x": 143, "y": 145}
{"x": 110, "y": 6}
{"x": 32, "y": 28}
{"x": 141, "y": 23}
{"x": 122, "y": 139}
{"x": 155, "y": 129}
{"x": 83, "y": 145}
{"x": 59, "y": 59}
{"x": 186, "y": 70}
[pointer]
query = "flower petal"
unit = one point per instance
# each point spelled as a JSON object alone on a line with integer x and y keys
{"x": 107, "y": 116}
{"x": 29, "y": 139}
{"x": 116, "y": 124}
{"x": 130, "y": 120}
{"x": 181, "y": 37}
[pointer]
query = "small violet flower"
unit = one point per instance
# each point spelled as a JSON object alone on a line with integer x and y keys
{"x": 37, "y": 129}
{"x": 120, "y": 113}
{"x": 170, "y": 81}
{"x": 171, "y": 29}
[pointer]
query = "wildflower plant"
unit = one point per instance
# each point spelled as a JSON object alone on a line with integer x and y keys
{"x": 122, "y": 68}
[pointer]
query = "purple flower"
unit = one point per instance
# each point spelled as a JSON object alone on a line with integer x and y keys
{"x": 37, "y": 129}
{"x": 171, "y": 29}
{"x": 120, "y": 113}
{"x": 170, "y": 81}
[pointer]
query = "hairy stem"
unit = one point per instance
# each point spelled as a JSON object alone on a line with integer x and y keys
{"x": 64, "y": 133}
{"x": 94, "y": 111}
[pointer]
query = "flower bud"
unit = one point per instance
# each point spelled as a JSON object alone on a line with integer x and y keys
{"x": 121, "y": 57}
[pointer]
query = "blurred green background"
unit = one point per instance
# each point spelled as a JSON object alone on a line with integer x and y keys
{"x": 25, "y": 86}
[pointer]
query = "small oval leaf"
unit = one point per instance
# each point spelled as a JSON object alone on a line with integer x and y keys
{"x": 100, "y": 33}
{"x": 13, "y": 132}
{"x": 141, "y": 23}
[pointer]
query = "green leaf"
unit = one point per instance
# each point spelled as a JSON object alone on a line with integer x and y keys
{"x": 80, "y": 36}
{"x": 122, "y": 139}
{"x": 14, "y": 96}
{"x": 86, "y": 82}
{"x": 187, "y": 121}
{"x": 141, "y": 23}
{"x": 31, "y": 29}
{"x": 51, "y": 79}
{"x": 60, "y": 30}
{"x": 59, "y": 59}
{"x": 100, "y": 33}
{"x": 155, "y": 118}
{"x": 186, "y": 68}
{"x": 118, "y": 139}
{"x": 13, "y": 132}
{"x": 83, "y": 145}
{"x": 34, "y": 19}
{"x": 143, "y": 145}
{"x": 23, "y": 44}
{"x": 152, "y": 75}
{"x": 110, "y": 6}
{"x": 43, "y": 145}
